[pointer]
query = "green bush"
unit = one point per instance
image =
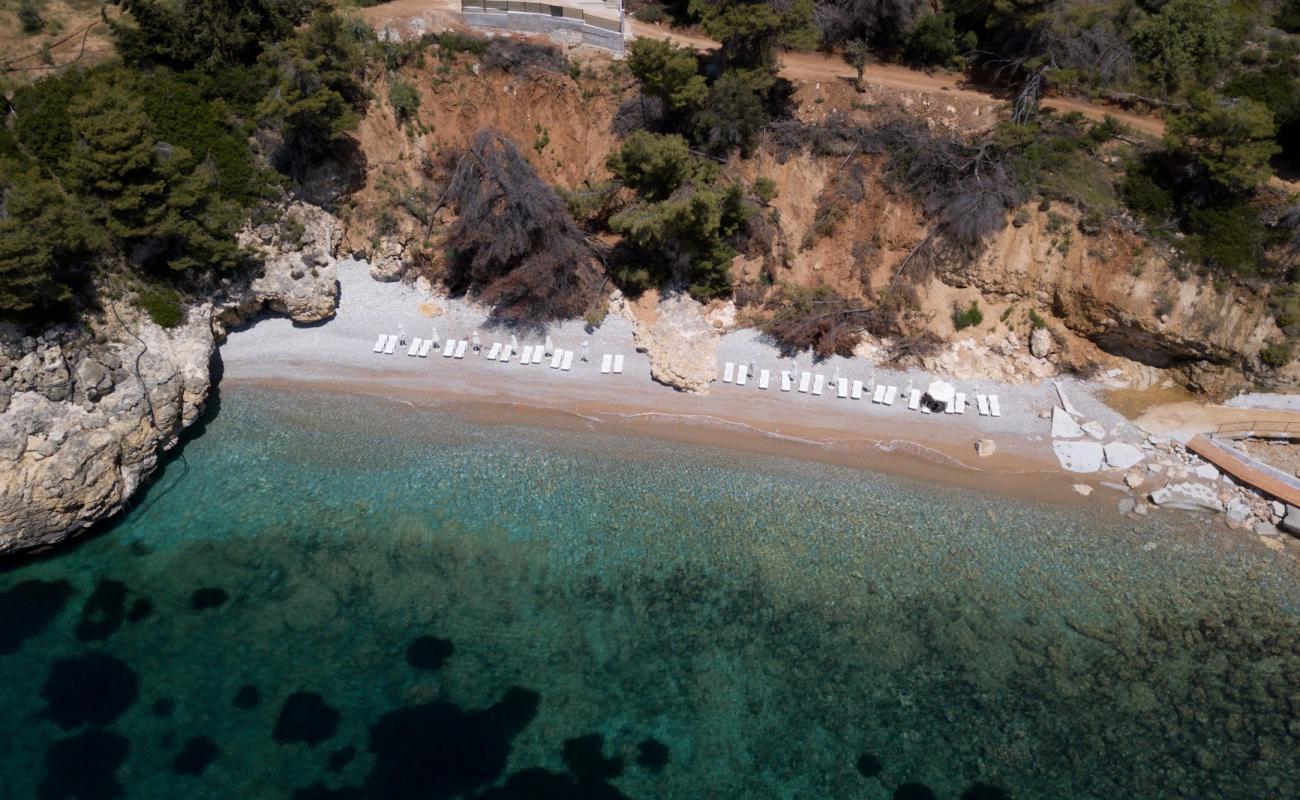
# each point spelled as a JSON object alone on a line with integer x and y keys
{"x": 649, "y": 13}
{"x": 968, "y": 317}
{"x": 1145, "y": 197}
{"x": 1229, "y": 236}
{"x": 404, "y": 99}
{"x": 765, "y": 189}
{"x": 1275, "y": 355}
{"x": 1036, "y": 321}
{"x": 29, "y": 17}
{"x": 933, "y": 41}
{"x": 450, "y": 42}
{"x": 162, "y": 304}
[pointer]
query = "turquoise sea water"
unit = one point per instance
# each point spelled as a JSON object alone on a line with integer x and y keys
{"x": 326, "y": 599}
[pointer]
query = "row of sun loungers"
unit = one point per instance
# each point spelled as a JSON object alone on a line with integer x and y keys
{"x": 812, "y": 383}
{"x": 531, "y": 354}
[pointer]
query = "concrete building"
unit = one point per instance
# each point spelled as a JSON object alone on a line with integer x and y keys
{"x": 598, "y": 23}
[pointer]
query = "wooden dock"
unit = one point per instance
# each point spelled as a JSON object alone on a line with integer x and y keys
{"x": 1249, "y": 471}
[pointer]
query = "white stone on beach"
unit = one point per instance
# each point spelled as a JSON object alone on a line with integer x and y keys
{"x": 1094, "y": 429}
{"x": 1083, "y": 489}
{"x": 985, "y": 448}
{"x": 1187, "y": 496}
{"x": 1063, "y": 425}
{"x": 1207, "y": 471}
{"x": 1122, "y": 455}
{"x": 1238, "y": 511}
{"x": 1079, "y": 456}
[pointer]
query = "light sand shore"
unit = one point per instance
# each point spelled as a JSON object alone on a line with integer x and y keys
{"x": 337, "y": 356}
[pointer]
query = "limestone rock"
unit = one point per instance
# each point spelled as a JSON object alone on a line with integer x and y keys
{"x": 1291, "y": 520}
{"x": 65, "y": 465}
{"x": 1207, "y": 471}
{"x": 1040, "y": 343}
{"x": 299, "y": 277}
{"x": 386, "y": 264}
{"x": 1083, "y": 489}
{"x": 93, "y": 379}
{"x": 1237, "y": 513}
{"x": 1187, "y": 496}
{"x": 1079, "y": 456}
{"x": 1122, "y": 455}
{"x": 1063, "y": 425}
{"x": 681, "y": 343}
{"x": 1263, "y": 527}
{"x": 985, "y": 448}
{"x": 1094, "y": 429}
{"x": 1135, "y": 478}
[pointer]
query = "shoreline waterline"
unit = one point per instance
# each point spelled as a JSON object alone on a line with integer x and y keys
{"x": 1006, "y": 473}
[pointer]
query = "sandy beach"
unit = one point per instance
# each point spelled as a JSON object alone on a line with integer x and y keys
{"x": 338, "y": 356}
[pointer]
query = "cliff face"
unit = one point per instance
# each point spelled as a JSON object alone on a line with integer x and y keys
{"x": 1120, "y": 294}
{"x": 85, "y": 412}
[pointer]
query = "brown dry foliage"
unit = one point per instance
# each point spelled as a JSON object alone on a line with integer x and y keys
{"x": 513, "y": 244}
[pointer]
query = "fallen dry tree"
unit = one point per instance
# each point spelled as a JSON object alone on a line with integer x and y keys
{"x": 513, "y": 244}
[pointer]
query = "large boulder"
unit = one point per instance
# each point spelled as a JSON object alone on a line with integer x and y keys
{"x": 1040, "y": 343}
{"x": 299, "y": 276}
{"x": 680, "y": 341}
{"x": 1188, "y": 497}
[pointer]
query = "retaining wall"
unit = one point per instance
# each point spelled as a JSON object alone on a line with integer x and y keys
{"x": 562, "y": 28}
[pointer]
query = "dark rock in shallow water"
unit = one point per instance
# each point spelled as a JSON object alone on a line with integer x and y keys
{"x": 103, "y": 612}
{"x": 340, "y": 758}
{"x": 163, "y": 708}
{"x": 248, "y": 697}
{"x": 195, "y": 757}
{"x": 439, "y": 750}
{"x": 541, "y": 784}
{"x": 319, "y": 791}
{"x": 652, "y": 754}
{"x": 983, "y": 791}
{"x": 869, "y": 765}
{"x": 305, "y": 717}
{"x": 27, "y": 609}
{"x": 94, "y": 688}
{"x": 429, "y": 653}
{"x": 140, "y": 610}
{"x": 913, "y": 791}
{"x": 208, "y": 597}
{"x": 585, "y": 758}
{"x": 84, "y": 767}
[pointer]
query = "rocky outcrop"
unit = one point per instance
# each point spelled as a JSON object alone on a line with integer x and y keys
{"x": 680, "y": 340}
{"x": 83, "y": 428}
{"x": 300, "y": 276}
{"x": 85, "y": 412}
{"x": 1123, "y": 295}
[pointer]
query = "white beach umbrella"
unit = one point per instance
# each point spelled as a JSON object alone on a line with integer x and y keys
{"x": 550, "y": 346}
{"x": 942, "y": 391}
{"x": 476, "y": 340}
{"x": 514, "y": 342}
{"x": 434, "y": 337}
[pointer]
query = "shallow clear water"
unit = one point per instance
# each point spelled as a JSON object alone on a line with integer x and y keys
{"x": 326, "y": 599}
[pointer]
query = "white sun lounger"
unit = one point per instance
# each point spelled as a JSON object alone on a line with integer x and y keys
{"x": 537, "y": 354}
{"x": 391, "y": 346}
{"x": 914, "y": 401}
{"x": 460, "y": 348}
{"x": 606, "y": 364}
{"x": 805, "y": 380}
{"x": 380, "y": 342}
{"x": 728, "y": 372}
{"x": 425, "y": 348}
{"x": 414, "y": 348}
{"x": 567, "y": 363}
{"x": 763, "y": 375}
{"x": 742, "y": 375}
{"x": 618, "y": 364}
{"x": 842, "y": 389}
{"x": 818, "y": 382}
{"x": 448, "y": 348}
{"x": 995, "y": 410}
{"x": 527, "y": 355}
{"x": 959, "y": 403}
{"x": 891, "y": 392}
{"x": 982, "y": 403}
{"x": 506, "y": 352}
{"x": 786, "y": 380}
{"x": 556, "y": 358}
{"x": 879, "y": 395}
{"x": 951, "y": 406}
{"x": 856, "y": 392}
{"x": 494, "y": 351}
